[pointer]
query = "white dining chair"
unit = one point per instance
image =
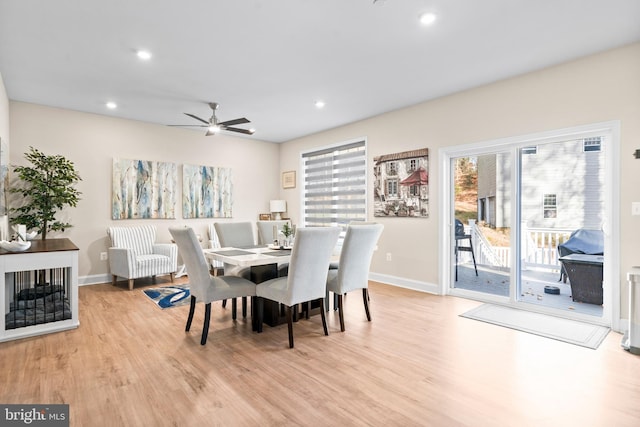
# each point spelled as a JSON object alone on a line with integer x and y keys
{"x": 203, "y": 286}
{"x": 237, "y": 235}
{"x": 266, "y": 229}
{"x": 307, "y": 277}
{"x": 353, "y": 270}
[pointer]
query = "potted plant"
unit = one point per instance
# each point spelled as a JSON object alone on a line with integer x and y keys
{"x": 287, "y": 232}
{"x": 46, "y": 188}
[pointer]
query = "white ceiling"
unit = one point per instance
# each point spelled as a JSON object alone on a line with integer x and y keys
{"x": 270, "y": 61}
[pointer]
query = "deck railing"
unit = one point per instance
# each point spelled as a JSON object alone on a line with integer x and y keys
{"x": 539, "y": 247}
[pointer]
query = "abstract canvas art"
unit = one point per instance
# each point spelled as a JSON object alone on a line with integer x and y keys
{"x": 401, "y": 184}
{"x": 143, "y": 189}
{"x": 207, "y": 192}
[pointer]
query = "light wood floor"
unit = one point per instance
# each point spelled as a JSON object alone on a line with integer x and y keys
{"x": 417, "y": 363}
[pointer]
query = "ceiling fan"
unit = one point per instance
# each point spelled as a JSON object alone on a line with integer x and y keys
{"x": 214, "y": 126}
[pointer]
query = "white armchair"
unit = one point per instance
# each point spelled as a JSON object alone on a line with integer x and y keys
{"x": 134, "y": 253}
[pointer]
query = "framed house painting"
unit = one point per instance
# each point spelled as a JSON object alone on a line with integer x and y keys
{"x": 401, "y": 184}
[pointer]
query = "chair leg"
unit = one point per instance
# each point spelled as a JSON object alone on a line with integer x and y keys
{"x": 324, "y": 317}
{"x": 365, "y": 297}
{"x": 290, "y": 325}
{"x": 192, "y": 309}
{"x": 114, "y": 279}
{"x": 130, "y": 284}
{"x": 205, "y": 328}
{"x": 259, "y": 311}
{"x": 234, "y": 307}
{"x": 473, "y": 256}
{"x": 244, "y": 307}
{"x": 171, "y": 275}
{"x": 224, "y": 303}
{"x": 341, "y": 312}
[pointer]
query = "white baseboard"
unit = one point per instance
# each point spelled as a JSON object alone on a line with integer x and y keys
{"x": 402, "y": 282}
{"x": 94, "y": 279}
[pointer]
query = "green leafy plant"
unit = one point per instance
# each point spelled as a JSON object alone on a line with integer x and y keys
{"x": 46, "y": 188}
{"x": 286, "y": 230}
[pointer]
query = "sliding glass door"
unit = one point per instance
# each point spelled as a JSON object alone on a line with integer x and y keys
{"x": 482, "y": 223}
{"x": 527, "y": 224}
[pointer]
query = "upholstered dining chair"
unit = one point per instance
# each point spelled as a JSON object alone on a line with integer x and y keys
{"x": 266, "y": 228}
{"x": 203, "y": 286}
{"x": 265, "y": 237}
{"x": 237, "y": 235}
{"x": 307, "y": 277}
{"x": 355, "y": 260}
{"x": 134, "y": 253}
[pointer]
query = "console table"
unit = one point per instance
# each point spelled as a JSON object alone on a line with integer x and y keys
{"x": 39, "y": 289}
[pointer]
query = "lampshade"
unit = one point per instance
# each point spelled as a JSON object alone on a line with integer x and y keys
{"x": 277, "y": 206}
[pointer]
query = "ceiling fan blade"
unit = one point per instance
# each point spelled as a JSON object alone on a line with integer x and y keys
{"x": 197, "y": 118}
{"x": 247, "y": 131}
{"x": 184, "y": 126}
{"x": 234, "y": 122}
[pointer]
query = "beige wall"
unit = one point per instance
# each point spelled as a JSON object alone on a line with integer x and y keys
{"x": 598, "y": 88}
{"x": 4, "y": 113}
{"x": 92, "y": 141}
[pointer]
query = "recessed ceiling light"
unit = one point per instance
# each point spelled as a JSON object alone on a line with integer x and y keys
{"x": 427, "y": 18}
{"x": 319, "y": 104}
{"x": 145, "y": 55}
{"x": 111, "y": 105}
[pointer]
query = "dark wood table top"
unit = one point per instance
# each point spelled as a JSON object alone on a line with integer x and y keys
{"x": 48, "y": 245}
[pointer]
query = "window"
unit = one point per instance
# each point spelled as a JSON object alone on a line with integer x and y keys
{"x": 414, "y": 190}
{"x": 591, "y": 144}
{"x": 413, "y": 165}
{"x": 549, "y": 208}
{"x": 335, "y": 185}
{"x": 530, "y": 150}
{"x": 392, "y": 188}
{"x": 392, "y": 168}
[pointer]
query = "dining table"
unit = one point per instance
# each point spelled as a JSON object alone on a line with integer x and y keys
{"x": 263, "y": 262}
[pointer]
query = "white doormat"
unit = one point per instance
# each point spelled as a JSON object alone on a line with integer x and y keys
{"x": 570, "y": 331}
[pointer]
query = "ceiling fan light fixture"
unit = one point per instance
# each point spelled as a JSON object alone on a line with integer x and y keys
{"x": 427, "y": 18}
{"x": 214, "y": 128}
{"x": 145, "y": 55}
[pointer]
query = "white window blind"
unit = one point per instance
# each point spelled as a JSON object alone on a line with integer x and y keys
{"x": 335, "y": 191}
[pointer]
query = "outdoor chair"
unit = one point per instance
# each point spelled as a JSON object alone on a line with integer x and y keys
{"x": 461, "y": 237}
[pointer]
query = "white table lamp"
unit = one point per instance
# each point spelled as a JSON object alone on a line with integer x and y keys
{"x": 277, "y": 207}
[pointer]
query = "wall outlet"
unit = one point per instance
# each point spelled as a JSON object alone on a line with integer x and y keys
{"x": 635, "y": 208}
{"x": 104, "y": 256}
{"x": 388, "y": 256}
